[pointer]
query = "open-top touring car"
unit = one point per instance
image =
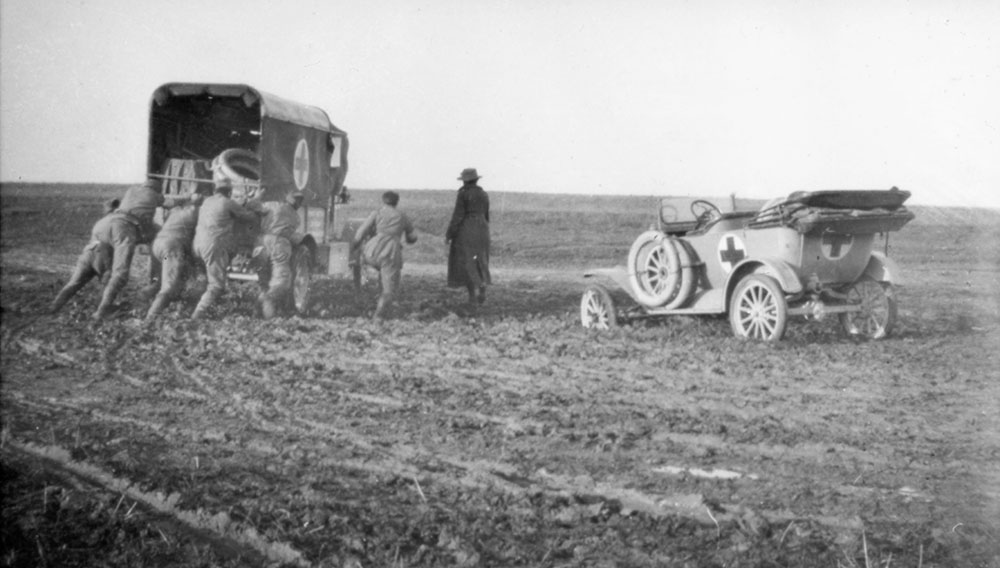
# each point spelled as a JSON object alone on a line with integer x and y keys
{"x": 809, "y": 254}
{"x": 268, "y": 147}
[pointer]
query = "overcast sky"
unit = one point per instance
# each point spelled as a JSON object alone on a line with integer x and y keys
{"x": 648, "y": 97}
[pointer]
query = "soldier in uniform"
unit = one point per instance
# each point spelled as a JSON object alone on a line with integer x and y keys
{"x": 131, "y": 224}
{"x": 384, "y": 229}
{"x": 139, "y": 205}
{"x": 172, "y": 251}
{"x": 95, "y": 260}
{"x": 279, "y": 225}
{"x": 213, "y": 240}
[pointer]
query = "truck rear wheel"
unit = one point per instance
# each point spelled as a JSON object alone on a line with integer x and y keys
{"x": 302, "y": 268}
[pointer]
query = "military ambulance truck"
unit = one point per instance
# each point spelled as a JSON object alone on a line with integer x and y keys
{"x": 268, "y": 147}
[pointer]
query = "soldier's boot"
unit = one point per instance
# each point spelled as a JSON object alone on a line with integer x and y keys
{"x": 267, "y": 308}
{"x": 207, "y": 299}
{"x": 115, "y": 285}
{"x": 64, "y": 295}
{"x": 159, "y": 302}
{"x": 380, "y": 309}
{"x": 149, "y": 291}
{"x": 482, "y": 295}
{"x": 101, "y": 313}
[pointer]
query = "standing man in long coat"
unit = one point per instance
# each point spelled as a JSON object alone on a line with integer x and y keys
{"x": 469, "y": 237}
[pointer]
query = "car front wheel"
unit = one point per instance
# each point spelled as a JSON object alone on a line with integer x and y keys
{"x": 597, "y": 310}
{"x": 758, "y": 309}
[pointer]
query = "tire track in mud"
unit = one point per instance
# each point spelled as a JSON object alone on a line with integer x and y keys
{"x": 362, "y": 379}
{"x": 411, "y": 461}
{"x": 652, "y": 400}
{"x": 855, "y": 462}
{"x": 420, "y": 466}
{"x": 451, "y": 377}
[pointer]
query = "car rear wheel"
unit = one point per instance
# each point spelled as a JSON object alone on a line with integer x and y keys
{"x": 877, "y": 316}
{"x": 758, "y": 309}
{"x": 301, "y": 279}
{"x": 597, "y": 310}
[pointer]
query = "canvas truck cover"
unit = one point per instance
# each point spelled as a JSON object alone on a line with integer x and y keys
{"x": 298, "y": 147}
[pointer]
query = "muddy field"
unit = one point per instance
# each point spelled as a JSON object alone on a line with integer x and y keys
{"x": 500, "y": 436}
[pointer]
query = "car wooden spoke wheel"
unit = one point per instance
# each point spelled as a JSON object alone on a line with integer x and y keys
{"x": 301, "y": 279}
{"x": 877, "y": 314}
{"x": 597, "y": 310}
{"x": 758, "y": 309}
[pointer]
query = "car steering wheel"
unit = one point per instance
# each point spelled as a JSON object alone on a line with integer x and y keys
{"x": 705, "y": 212}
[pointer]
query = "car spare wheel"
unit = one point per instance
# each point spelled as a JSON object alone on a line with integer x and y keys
{"x": 654, "y": 269}
{"x": 686, "y": 285}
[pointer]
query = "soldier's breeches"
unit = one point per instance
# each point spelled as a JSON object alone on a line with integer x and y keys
{"x": 216, "y": 261}
{"x": 121, "y": 263}
{"x": 172, "y": 257}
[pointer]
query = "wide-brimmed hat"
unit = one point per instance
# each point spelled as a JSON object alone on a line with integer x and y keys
{"x": 469, "y": 174}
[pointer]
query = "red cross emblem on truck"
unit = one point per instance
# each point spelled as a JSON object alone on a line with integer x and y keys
{"x": 300, "y": 164}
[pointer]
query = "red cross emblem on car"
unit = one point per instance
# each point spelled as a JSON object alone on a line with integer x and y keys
{"x": 731, "y": 252}
{"x": 836, "y": 245}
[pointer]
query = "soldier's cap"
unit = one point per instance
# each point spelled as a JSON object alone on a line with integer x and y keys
{"x": 294, "y": 197}
{"x": 390, "y": 198}
{"x": 111, "y": 205}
